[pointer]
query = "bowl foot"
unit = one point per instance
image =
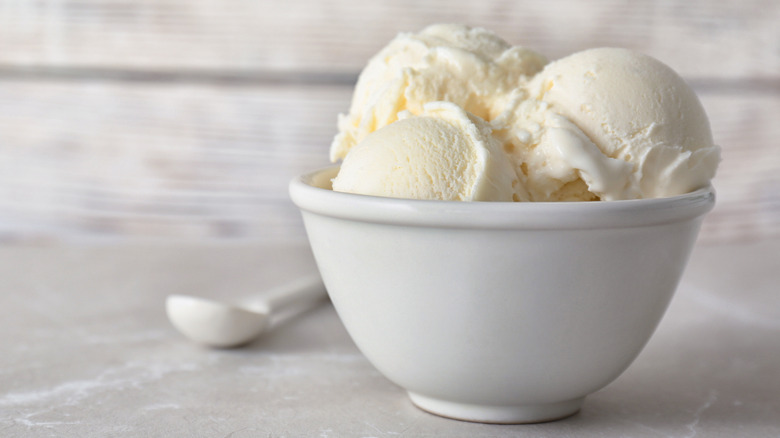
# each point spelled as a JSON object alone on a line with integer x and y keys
{"x": 510, "y": 414}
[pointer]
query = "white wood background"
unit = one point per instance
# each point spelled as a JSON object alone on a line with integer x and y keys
{"x": 175, "y": 119}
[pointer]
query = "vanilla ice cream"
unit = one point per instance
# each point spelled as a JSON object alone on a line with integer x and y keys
{"x": 601, "y": 124}
{"x": 652, "y": 135}
{"x": 444, "y": 153}
{"x": 470, "y": 67}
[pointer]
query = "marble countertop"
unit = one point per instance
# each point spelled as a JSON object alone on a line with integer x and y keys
{"x": 87, "y": 351}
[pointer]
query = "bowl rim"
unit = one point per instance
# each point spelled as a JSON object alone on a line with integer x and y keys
{"x": 311, "y": 193}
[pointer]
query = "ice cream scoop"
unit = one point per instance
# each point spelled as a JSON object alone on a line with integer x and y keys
{"x": 641, "y": 115}
{"x": 218, "y": 324}
{"x": 445, "y": 153}
{"x": 470, "y": 67}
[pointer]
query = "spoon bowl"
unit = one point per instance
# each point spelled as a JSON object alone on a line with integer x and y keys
{"x": 214, "y": 323}
{"x": 222, "y": 325}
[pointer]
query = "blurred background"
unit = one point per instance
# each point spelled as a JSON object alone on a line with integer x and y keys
{"x": 185, "y": 119}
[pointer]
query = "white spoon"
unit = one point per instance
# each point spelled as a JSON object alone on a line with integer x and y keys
{"x": 223, "y": 325}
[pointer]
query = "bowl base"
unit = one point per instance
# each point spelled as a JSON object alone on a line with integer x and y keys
{"x": 511, "y": 414}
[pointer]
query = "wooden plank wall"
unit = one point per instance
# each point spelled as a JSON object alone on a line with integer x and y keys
{"x": 178, "y": 119}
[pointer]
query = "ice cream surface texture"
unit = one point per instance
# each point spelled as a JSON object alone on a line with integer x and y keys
{"x": 601, "y": 124}
{"x": 470, "y": 67}
{"x": 652, "y": 133}
{"x": 444, "y": 153}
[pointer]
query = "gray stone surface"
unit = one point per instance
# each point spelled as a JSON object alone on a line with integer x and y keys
{"x": 86, "y": 350}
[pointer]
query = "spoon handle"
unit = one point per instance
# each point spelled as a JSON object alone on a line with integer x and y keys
{"x": 304, "y": 290}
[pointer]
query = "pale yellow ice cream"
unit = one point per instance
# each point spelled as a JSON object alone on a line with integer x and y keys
{"x": 651, "y": 133}
{"x": 444, "y": 153}
{"x": 470, "y": 67}
{"x": 602, "y": 124}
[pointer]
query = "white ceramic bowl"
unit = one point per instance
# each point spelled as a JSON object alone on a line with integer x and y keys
{"x": 498, "y": 312}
